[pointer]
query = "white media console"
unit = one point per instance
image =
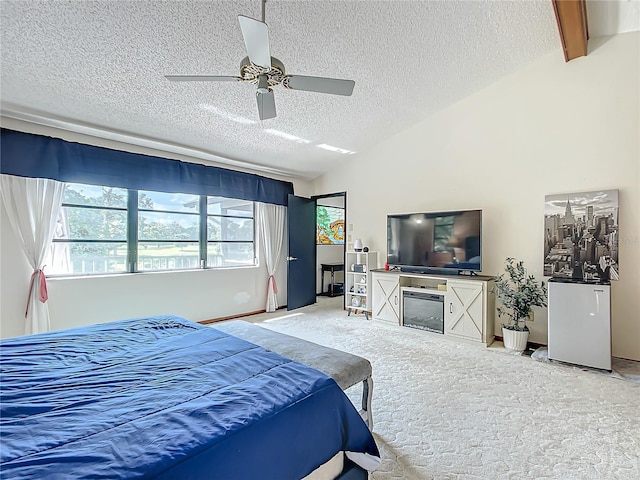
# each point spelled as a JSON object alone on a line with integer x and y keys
{"x": 451, "y": 305}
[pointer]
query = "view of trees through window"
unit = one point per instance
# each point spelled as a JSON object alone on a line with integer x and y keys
{"x": 443, "y": 230}
{"x": 230, "y": 232}
{"x": 105, "y": 230}
{"x": 168, "y": 231}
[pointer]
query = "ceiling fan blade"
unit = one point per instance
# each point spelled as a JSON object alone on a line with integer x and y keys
{"x": 201, "y": 78}
{"x": 334, "y": 86}
{"x": 256, "y": 39}
{"x": 266, "y": 105}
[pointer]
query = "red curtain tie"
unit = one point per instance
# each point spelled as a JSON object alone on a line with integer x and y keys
{"x": 43, "y": 294}
{"x": 272, "y": 279}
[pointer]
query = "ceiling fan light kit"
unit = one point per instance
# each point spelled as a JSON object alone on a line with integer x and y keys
{"x": 266, "y": 72}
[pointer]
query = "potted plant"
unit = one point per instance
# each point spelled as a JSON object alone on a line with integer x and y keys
{"x": 517, "y": 294}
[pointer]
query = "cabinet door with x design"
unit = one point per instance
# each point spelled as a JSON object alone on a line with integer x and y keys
{"x": 386, "y": 297}
{"x": 464, "y": 311}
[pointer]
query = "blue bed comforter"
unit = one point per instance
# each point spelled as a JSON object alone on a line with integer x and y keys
{"x": 166, "y": 398}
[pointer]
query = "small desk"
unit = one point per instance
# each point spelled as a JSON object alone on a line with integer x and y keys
{"x": 330, "y": 267}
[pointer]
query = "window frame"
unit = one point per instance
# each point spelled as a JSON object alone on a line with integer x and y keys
{"x": 132, "y": 240}
{"x": 70, "y": 241}
{"x": 216, "y": 215}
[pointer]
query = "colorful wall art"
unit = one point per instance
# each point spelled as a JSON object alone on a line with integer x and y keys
{"x": 329, "y": 225}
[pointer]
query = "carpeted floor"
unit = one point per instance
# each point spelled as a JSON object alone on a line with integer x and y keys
{"x": 449, "y": 410}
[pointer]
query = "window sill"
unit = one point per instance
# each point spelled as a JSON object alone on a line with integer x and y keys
{"x": 145, "y": 273}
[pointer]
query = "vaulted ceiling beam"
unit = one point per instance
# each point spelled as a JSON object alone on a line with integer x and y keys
{"x": 571, "y": 16}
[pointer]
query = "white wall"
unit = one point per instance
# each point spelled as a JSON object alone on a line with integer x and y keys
{"x": 551, "y": 128}
{"x": 196, "y": 295}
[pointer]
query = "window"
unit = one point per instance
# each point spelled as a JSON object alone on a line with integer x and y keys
{"x": 110, "y": 230}
{"x": 442, "y": 232}
{"x": 91, "y": 233}
{"x": 230, "y": 232}
{"x": 168, "y": 231}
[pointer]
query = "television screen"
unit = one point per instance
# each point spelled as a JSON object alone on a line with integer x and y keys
{"x": 435, "y": 241}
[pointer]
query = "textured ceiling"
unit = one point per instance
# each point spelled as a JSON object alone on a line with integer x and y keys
{"x": 102, "y": 64}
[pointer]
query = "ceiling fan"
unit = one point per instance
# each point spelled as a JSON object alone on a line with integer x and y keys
{"x": 260, "y": 68}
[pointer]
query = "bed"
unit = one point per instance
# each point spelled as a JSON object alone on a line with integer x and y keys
{"x": 345, "y": 368}
{"x": 163, "y": 397}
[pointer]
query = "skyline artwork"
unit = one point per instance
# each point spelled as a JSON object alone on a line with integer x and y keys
{"x": 581, "y": 235}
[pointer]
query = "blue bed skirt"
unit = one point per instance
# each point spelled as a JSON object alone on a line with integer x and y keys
{"x": 163, "y": 397}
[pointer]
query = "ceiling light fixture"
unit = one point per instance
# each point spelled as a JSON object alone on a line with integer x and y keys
{"x": 331, "y": 148}
{"x": 222, "y": 113}
{"x": 288, "y": 136}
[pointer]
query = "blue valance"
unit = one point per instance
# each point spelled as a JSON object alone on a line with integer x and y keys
{"x": 37, "y": 156}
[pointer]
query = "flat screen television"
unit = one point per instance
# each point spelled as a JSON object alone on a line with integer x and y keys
{"x": 448, "y": 242}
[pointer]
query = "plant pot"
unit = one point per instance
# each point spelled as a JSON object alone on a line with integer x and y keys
{"x": 515, "y": 340}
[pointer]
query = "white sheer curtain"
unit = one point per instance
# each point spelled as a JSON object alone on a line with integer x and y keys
{"x": 33, "y": 205}
{"x": 58, "y": 258}
{"x": 271, "y": 221}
